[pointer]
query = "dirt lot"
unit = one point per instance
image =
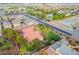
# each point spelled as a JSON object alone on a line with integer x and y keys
{"x": 12, "y": 51}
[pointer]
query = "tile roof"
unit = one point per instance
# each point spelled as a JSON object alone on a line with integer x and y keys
{"x": 30, "y": 33}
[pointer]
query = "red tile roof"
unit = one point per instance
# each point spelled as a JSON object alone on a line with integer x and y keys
{"x": 30, "y": 34}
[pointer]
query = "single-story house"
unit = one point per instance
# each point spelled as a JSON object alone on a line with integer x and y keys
{"x": 30, "y": 33}
{"x": 65, "y": 50}
{"x": 49, "y": 16}
{"x": 17, "y": 17}
{"x": 16, "y": 24}
{"x": 62, "y": 48}
{"x": 7, "y": 24}
{"x": 46, "y": 51}
{"x": 5, "y": 18}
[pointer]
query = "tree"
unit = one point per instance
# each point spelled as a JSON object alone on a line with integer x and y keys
{"x": 43, "y": 28}
{"x": 29, "y": 47}
{"x": 51, "y": 36}
{"x": 36, "y": 44}
{"x": 19, "y": 39}
{"x": 59, "y": 16}
{"x": 23, "y": 49}
{"x": 6, "y": 46}
{"x": 1, "y": 41}
{"x": 8, "y": 33}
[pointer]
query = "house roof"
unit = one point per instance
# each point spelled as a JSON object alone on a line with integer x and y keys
{"x": 5, "y": 18}
{"x": 46, "y": 51}
{"x": 62, "y": 47}
{"x": 65, "y": 50}
{"x": 18, "y": 16}
{"x": 51, "y": 51}
{"x": 15, "y": 21}
{"x": 30, "y": 33}
{"x": 57, "y": 45}
{"x": 6, "y": 23}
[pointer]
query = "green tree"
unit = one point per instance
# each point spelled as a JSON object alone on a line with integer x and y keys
{"x": 43, "y": 28}
{"x": 8, "y": 33}
{"x": 29, "y": 47}
{"x": 14, "y": 36}
{"x": 51, "y": 36}
{"x": 23, "y": 49}
{"x": 19, "y": 39}
{"x": 36, "y": 44}
{"x": 1, "y": 41}
{"x": 6, "y": 46}
{"x": 59, "y": 16}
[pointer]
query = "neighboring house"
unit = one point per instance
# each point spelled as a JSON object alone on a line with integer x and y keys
{"x": 11, "y": 17}
{"x": 5, "y": 18}
{"x": 16, "y": 24}
{"x": 65, "y": 50}
{"x": 58, "y": 44}
{"x": 62, "y": 48}
{"x": 46, "y": 51}
{"x": 7, "y": 24}
{"x": 26, "y": 21}
{"x": 29, "y": 21}
{"x": 17, "y": 17}
{"x": 30, "y": 33}
{"x": 32, "y": 23}
{"x": 51, "y": 51}
{"x": 49, "y": 16}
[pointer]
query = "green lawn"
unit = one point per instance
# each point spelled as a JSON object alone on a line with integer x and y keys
{"x": 50, "y": 36}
